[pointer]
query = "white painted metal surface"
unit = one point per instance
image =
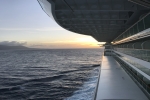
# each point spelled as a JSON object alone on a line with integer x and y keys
{"x": 141, "y": 62}
{"x": 115, "y": 83}
{"x": 47, "y": 8}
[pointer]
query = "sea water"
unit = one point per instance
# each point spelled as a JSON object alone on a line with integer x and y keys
{"x": 54, "y": 74}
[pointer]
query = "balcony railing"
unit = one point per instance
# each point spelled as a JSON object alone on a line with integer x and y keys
{"x": 138, "y": 27}
{"x": 142, "y": 54}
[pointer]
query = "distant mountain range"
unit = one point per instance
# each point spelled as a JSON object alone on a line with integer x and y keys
{"x": 4, "y": 47}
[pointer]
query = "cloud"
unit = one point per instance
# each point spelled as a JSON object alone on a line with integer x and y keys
{"x": 13, "y": 43}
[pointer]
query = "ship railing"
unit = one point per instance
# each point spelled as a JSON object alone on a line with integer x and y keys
{"x": 140, "y": 29}
{"x": 137, "y": 68}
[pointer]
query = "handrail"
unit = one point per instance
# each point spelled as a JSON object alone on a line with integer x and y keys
{"x": 131, "y": 26}
{"x": 97, "y": 82}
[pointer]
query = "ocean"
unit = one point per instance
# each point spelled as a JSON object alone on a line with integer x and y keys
{"x": 54, "y": 74}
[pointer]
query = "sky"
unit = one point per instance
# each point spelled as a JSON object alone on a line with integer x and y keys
{"x": 23, "y": 22}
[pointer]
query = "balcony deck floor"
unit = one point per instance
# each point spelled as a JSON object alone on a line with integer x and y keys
{"x": 115, "y": 83}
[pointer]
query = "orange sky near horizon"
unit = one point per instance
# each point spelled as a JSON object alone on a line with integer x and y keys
{"x": 81, "y": 42}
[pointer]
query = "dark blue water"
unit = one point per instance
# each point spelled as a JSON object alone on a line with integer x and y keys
{"x": 62, "y": 74}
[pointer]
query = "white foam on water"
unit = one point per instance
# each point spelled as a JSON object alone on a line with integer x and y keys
{"x": 87, "y": 91}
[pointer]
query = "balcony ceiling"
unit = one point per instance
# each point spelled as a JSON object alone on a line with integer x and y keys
{"x": 102, "y": 19}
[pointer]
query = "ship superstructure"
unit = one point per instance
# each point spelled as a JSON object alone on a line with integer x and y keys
{"x": 125, "y": 26}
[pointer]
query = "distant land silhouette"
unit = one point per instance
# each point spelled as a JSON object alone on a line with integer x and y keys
{"x": 4, "y": 47}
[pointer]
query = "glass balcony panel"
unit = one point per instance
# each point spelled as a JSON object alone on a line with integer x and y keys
{"x": 135, "y": 29}
{"x": 147, "y": 22}
{"x": 128, "y": 33}
{"x": 138, "y": 53}
{"x": 131, "y": 31}
{"x": 141, "y": 26}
